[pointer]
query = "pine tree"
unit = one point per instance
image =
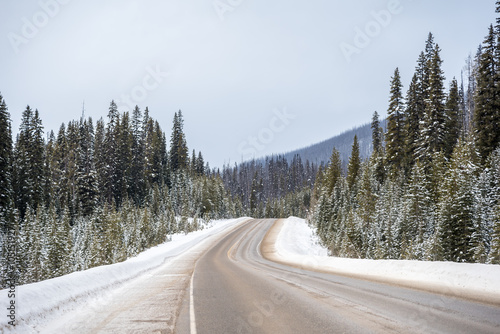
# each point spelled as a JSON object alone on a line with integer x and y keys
{"x": 354, "y": 164}
{"x": 395, "y": 137}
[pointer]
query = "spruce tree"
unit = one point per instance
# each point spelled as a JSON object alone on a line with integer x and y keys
{"x": 124, "y": 152}
{"x": 59, "y": 243}
{"x": 422, "y": 86}
{"x": 29, "y": 162}
{"x": 87, "y": 177}
{"x": 88, "y": 192}
{"x": 178, "y": 147}
{"x": 413, "y": 117}
{"x": 156, "y": 155}
{"x": 432, "y": 131}
{"x": 457, "y": 205}
{"x": 200, "y": 164}
{"x": 138, "y": 187}
{"x": 354, "y": 164}
{"x": 333, "y": 172}
{"x": 367, "y": 195}
{"x": 395, "y": 137}
{"x": 418, "y": 213}
{"x": 58, "y": 169}
{"x": 453, "y": 124}
{"x": 29, "y": 248}
{"x": 72, "y": 167}
{"x": 192, "y": 163}
{"x": 6, "y": 193}
{"x": 111, "y": 168}
{"x": 487, "y": 114}
{"x": 429, "y": 47}
{"x": 100, "y": 161}
{"x": 376, "y": 134}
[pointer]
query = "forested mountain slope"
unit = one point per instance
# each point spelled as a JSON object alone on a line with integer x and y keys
{"x": 322, "y": 151}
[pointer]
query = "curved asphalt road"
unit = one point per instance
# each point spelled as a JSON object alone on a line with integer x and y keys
{"x": 235, "y": 290}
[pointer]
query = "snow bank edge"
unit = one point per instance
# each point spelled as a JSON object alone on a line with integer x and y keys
{"x": 477, "y": 282}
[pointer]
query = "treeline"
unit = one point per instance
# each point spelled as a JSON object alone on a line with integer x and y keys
{"x": 431, "y": 188}
{"x": 98, "y": 193}
{"x": 271, "y": 187}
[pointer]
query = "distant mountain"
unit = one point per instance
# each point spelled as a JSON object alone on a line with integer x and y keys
{"x": 321, "y": 152}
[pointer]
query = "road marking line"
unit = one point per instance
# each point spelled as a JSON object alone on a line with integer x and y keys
{"x": 192, "y": 320}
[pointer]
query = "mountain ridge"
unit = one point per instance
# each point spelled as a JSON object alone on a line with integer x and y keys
{"x": 321, "y": 152}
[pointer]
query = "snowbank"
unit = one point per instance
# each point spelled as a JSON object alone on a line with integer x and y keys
{"x": 38, "y": 301}
{"x": 297, "y": 244}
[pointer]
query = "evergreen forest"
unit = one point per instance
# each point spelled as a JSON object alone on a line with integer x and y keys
{"x": 431, "y": 188}
{"x": 99, "y": 192}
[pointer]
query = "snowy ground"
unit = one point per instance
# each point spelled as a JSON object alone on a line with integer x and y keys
{"x": 41, "y": 302}
{"x": 297, "y": 244}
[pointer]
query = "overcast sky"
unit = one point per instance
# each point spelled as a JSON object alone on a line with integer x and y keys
{"x": 251, "y": 77}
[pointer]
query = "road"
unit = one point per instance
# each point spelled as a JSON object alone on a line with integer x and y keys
{"x": 234, "y": 289}
{"x": 227, "y": 284}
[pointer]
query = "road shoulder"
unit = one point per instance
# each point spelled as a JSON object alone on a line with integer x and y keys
{"x": 269, "y": 251}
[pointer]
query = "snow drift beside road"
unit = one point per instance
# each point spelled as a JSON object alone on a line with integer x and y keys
{"x": 297, "y": 244}
{"x": 37, "y": 301}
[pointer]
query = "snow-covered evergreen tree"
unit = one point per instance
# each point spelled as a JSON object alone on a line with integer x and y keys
{"x": 353, "y": 168}
{"x": 457, "y": 205}
{"x": 395, "y": 136}
{"x": 487, "y": 114}
{"x": 6, "y": 193}
{"x": 453, "y": 124}
{"x": 432, "y": 127}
